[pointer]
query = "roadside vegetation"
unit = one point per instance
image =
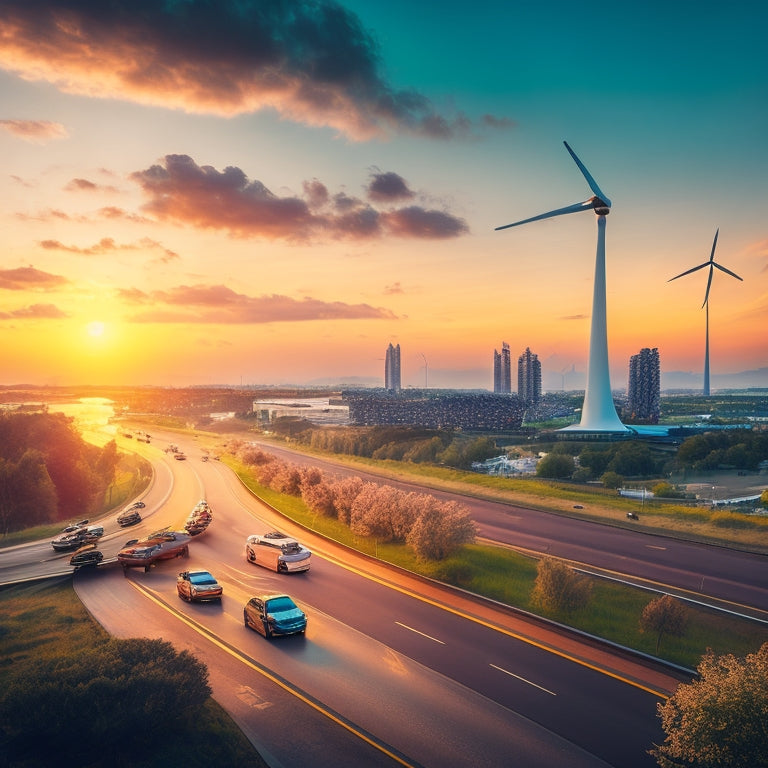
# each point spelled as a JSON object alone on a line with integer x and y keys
{"x": 596, "y": 606}
{"x": 72, "y": 696}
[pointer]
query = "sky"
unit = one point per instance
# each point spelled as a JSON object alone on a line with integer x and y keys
{"x": 270, "y": 192}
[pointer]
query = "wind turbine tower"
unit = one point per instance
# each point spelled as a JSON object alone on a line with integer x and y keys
{"x": 598, "y": 413}
{"x": 711, "y": 264}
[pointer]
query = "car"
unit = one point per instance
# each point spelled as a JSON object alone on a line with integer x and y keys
{"x": 199, "y": 518}
{"x": 633, "y": 516}
{"x": 137, "y": 505}
{"x": 161, "y": 545}
{"x": 277, "y": 551}
{"x": 194, "y": 586}
{"x": 85, "y": 556}
{"x": 75, "y": 526}
{"x": 273, "y": 615}
{"x": 129, "y": 517}
{"x": 578, "y": 506}
{"x": 68, "y": 541}
{"x": 179, "y": 457}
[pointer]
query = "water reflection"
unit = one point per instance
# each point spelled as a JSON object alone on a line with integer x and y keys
{"x": 89, "y": 413}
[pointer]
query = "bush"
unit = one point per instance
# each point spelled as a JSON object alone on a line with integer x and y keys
{"x": 559, "y": 588}
{"x": 664, "y": 615}
{"x": 71, "y": 709}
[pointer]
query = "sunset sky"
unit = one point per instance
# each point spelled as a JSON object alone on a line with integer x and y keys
{"x": 266, "y": 192}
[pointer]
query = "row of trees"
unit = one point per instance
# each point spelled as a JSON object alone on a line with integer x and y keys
{"x": 433, "y": 529}
{"x": 48, "y": 473}
{"x": 413, "y": 444}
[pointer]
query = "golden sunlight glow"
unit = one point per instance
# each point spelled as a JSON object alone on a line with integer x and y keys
{"x": 96, "y": 329}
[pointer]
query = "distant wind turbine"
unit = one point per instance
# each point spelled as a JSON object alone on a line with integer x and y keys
{"x": 598, "y": 413}
{"x": 711, "y": 264}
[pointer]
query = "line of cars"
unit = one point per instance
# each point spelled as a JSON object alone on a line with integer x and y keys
{"x": 270, "y": 614}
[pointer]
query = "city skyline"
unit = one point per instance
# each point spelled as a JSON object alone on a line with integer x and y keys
{"x": 183, "y": 209}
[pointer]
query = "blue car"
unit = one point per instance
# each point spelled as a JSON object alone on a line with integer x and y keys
{"x": 274, "y": 614}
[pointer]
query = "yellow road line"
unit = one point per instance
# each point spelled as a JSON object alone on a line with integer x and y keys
{"x": 201, "y": 630}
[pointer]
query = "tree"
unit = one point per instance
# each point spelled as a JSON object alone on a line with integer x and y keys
{"x": 665, "y": 616}
{"x": 440, "y": 528}
{"x": 764, "y": 498}
{"x": 611, "y": 479}
{"x": 665, "y": 490}
{"x": 559, "y": 588}
{"x": 72, "y": 709}
{"x": 720, "y": 720}
{"x": 556, "y": 465}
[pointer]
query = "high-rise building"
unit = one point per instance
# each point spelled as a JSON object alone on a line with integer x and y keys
{"x": 502, "y": 370}
{"x": 529, "y": 377}
{"x": 392, "y": 369}
{"x": 644, "y": 386}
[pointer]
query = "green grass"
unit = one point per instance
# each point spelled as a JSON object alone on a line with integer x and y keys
{"x": 45, "y": 620}
{"x": 508, "y": 576}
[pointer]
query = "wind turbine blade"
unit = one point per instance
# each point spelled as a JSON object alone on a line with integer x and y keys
{"x": 709, "y": 283}
{"x": 714, "y": 243}
{"x": 592, "y": 183}
{"x": 727, "y": 271}
{"x": 575, "y": 208}
{"x": 688, "y": 271}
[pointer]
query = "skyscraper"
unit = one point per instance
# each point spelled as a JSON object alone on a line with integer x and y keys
{"x": 392, "y": 369}
{"x": 644, "y": 386}
{"x": 502, "y": 370}
{"x": 529, "y": 377}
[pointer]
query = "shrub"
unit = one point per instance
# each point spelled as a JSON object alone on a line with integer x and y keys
{"x": 559, "y": 588}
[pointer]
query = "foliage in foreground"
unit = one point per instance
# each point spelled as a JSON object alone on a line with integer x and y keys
{"x": 71, "y": 696}
{"x": 720, "y": 720}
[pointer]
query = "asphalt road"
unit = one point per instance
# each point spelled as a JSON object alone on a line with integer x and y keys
{"x": 702, "y": 571}
{"x": 391, "y": 671}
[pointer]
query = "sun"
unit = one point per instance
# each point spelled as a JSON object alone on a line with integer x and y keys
{"x": 96, "y": 329}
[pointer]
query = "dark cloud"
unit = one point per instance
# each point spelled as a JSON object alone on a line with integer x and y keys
{"x": 219, "y": 304}
{"x": 387, "y": 187}
{"x": 183, "y": 192}
{"x": 311, "y": 60}
{"x": 417, "y": 222}
{"x": 37, "y": 131}
{"x": 34, "y": 312}
{"x": 30, "y": 279}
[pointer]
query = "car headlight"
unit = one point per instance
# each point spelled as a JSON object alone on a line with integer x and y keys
{"x": 194, "y": 591}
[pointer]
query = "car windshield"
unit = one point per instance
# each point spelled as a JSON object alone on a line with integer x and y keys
{"x": 280, "y": 604}
{"x": 201, "y": 578}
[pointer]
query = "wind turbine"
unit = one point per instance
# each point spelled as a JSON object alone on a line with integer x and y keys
{"x": 711, "y": 264}
{"x": 598, "y": 413}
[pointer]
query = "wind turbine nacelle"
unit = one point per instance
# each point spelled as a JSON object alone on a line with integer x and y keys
{"x": 602, "y": 207}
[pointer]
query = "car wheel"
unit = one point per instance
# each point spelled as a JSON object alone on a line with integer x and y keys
{"x": 267, "y": 630}
{"x": 245, "y": 620}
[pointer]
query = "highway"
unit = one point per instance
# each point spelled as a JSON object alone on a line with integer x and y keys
{"x": 702, "y": 571}
{"x": 392, "y": 671}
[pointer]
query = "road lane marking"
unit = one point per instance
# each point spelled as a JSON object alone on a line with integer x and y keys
{"x": 512, "y": 674}
{"x": 429, "y": 637}
{"x": 489, "y": 625}
{"x": 655, "y": 546}
{"x": 273, "y": 677}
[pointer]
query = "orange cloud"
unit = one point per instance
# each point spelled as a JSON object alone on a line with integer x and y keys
{"x": 34, "y": 312}
{"x": 311, "y": 60}
{"x": 29, "y": 279}
{"x": 219, "y": 304}
{"x": 37, "y": 131}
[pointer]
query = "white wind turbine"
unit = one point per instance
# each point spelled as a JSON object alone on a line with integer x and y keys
{"x": 711, "y": 264}
{"x": 598, "y": 413}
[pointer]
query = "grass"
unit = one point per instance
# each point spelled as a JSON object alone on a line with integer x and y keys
{"x": 508, "y": 576}
{"x": 45, "y": 620}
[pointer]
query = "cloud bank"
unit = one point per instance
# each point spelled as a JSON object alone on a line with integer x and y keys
{"x": 310, "y": 60}
{"x": 219, "y": 304}
{"x": 180, "y": 191}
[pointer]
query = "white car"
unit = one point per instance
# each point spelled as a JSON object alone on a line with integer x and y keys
{"x": 278, "y": 552}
